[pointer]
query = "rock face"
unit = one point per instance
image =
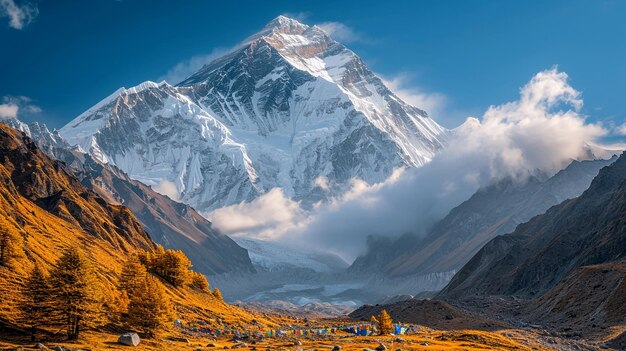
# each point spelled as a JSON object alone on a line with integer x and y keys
{"x": 587, "y": 230}
{"x": 288, "y": 106}
{"x": 491, "y": 211}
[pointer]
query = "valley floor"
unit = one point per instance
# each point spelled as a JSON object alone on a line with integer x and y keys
{"x": 422, "y": 339}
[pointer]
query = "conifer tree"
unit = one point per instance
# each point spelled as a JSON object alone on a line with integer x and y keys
{"x": 218, "y": 294}
{"x": 133, "y": 275}
{"x": 36, "y": 305}
{"x": 171, "y": 265}
{"x": 149, "y": 308}
{"x": 199, "y": 282}
{"x": 10, "y": 245}
{"x": 385, "y": 324}
{"x": 76, "y": 304}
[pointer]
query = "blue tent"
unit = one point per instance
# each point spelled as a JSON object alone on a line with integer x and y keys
{"x": 399, "y": 329}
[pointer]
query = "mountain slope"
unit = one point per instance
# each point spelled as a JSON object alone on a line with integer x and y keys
{"x": 171, "y": 224}
{"x": 289, "y": 105}
{"x": 583, "y": 231}
{"x": 590, "y": 298}
{"x": 32, "y": 175}
{"x": 48, "y": 210}
{"x": 491, "y": 211}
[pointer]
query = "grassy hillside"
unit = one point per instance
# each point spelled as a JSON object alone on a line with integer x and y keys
{"x": 45, "y": 210}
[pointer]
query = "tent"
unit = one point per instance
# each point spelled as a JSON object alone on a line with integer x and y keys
{"x": 400, "y": 329}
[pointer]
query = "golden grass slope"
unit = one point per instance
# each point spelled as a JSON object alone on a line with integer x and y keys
{"x": 48, "y": 210}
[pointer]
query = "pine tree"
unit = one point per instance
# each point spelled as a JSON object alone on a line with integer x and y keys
{"x": 199, "y": 282}
{"x": 218, "y": 294}
{"x": 149, "y": 308}
{"x": 75, "y": 301}
{"x": 36, "y": 306}
{"x": 385, "y": 324}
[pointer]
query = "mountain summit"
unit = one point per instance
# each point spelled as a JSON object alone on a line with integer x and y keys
{"x": 287, "y": 106}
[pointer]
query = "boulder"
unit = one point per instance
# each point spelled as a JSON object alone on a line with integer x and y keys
{"x": 240, "y": 345}
{"x": 129, "y": 339}
{"x": 381, "y": 347}
{"x": 40, "y": 346}
{"x": 336, "y": 348}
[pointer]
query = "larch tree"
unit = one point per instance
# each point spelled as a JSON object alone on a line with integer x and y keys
{"x": 218, "y": 294}
{"x": 36, "y": 304}
{"x": 171, "y": 265}
{"x": 385, "y": 323}
{"x": 11, "y": 244}
{"x": 133, "y": 275}
{"x": 76, "y": 302}
{"x": 149, "y": 308}
{"x": 199, "y": 282}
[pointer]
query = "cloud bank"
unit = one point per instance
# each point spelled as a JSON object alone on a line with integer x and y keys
{"x": 543, "y": 130}
{"x": 19, "y": 15}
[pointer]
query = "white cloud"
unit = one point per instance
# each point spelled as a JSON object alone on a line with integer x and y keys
{"x": 13, "y": 105}
{"x": 268, "y": 217}
{"x": 340, "y": 32}
{"x": 8, "y": 110}
{"x": 19, "y": 15}
{"x": 187, "y": 67}
{"x": 432, "y": 102}
{"x": 322, "y": 183}
{"x": 543, "y": 130}
{"x": 168, "y": 189}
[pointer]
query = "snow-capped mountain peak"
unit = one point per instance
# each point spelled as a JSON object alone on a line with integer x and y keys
{"x": 287, "y": 106}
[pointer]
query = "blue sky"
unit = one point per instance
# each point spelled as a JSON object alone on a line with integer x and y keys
{"x": 458, "y": 57}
